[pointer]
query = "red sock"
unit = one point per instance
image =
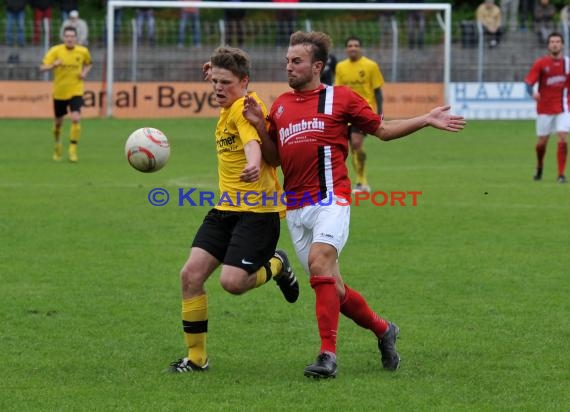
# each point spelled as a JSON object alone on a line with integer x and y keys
{"x": 562, "y": 152}
{"x": 540, "y": 151}
{"x": 327, "y": 309}
{"x": 355, "y": 307}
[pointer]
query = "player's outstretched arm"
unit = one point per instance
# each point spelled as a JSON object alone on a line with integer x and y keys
{"x": 439, "y": 118}
{"x": 253, "y": 113}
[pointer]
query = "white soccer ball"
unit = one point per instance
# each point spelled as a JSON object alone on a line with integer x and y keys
{"x": 147, "y": 149}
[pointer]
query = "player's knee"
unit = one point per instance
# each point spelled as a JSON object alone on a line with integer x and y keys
{"x": 322, "y": 264}
{"x": 233, "y": 286}
{"x": 190, "y": 279}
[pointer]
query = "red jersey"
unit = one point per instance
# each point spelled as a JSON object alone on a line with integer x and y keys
{"x": 552, "y": 76}
{"x": 310, "y": 130}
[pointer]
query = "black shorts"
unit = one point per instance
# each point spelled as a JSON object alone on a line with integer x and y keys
{"x": 243, "y": 239}
{"x": 60, "y": 106}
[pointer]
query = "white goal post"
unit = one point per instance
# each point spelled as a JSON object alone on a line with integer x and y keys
{"x": 444, "y": 22}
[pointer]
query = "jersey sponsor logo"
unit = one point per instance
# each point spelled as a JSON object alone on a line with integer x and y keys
{"x": 226, "y": 141}
{"x": 303, "y": 127}
{"x": 280, "y": 111}
{"x": 227, "y": 144}
{"x": 555, "y": 80}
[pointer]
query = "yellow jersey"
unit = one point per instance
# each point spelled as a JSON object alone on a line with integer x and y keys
{"x": 363, "y": 76}
{"x": 233, "y": 132}
{"x": 66, "y": 80}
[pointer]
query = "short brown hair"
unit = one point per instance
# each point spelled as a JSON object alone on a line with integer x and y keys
{"x": 319, "y": 42}
{"x": 233, "y": 59}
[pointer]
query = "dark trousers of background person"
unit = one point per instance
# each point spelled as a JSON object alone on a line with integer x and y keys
{"x": 526, "y": 7}
{"x": 117, "y": 22}
{"x": 416, "y": 28}
{"x": 285, "y": 26}
{"x": 234, "y": 27}
{"x": 194, "y": 19}
{"x": 15, "y": 18}
{"x": 145, "y": 17}
{"x": 493, "y": 38}
{"x": 39, "y": 16}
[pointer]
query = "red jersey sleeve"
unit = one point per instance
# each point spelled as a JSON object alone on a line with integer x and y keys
{"x": 534, "y": 73}
{"x": 359, "y": 112}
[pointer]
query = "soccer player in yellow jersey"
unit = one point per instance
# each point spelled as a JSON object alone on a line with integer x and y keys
{"x": 70, "y": 63}
{"x": 241, "y": 232}
{"x": 362, "y": 75}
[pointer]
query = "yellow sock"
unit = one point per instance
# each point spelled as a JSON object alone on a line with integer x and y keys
{"x": 262, "y": 276}
{"x": 361, "y": 155}
{"x": 75, "y": 132}
{"x": 355, "y": 164}
{"x": 195, "y": 324}
{"x": 56, "y": 133}
{"x": 276, "y": 266}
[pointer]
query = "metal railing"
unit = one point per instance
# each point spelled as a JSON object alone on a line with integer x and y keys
{"x": 384, "y": 40}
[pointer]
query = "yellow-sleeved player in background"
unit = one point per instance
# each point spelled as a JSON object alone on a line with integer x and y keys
{"x": 362, "y": 75}
{"x": 70, "y": 63}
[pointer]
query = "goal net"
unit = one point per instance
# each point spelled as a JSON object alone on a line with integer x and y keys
{"x": 155, "y": 50}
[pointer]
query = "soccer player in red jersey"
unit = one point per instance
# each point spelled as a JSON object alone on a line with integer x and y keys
{"x": 552, "y": 73}
{"x": 308, "y": 137}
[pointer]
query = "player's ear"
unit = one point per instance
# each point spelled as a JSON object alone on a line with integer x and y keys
{"x": 318, "y": 66}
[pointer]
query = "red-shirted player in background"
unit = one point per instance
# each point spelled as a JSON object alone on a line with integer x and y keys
{"x": 308, "y": 136}
{"x": 552, "y": 73}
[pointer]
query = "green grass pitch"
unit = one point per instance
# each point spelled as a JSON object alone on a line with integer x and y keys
{"x": 475, "y": 275}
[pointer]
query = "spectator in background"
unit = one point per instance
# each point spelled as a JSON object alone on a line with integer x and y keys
{"x": 526, "y": 10}
{"x": 66, "y": 6}
{"x": 328, "y": 72}
{"x": 564, "y": 20}
{"x": 544, "y": 13}
{"x": 117, "y": 20}
{"x": 489, "y": 15}
{"x": 80, "y": 25}
{"x": 234, "y": 25}
{"x": 385, "y": 20}
{"x": 145, "y": 15}
{"x": 189, "y": 13}
{"x": 42, "y": 10}
{"x": 510, "y": 14}
{"x": 416, "y": 26}
{"x": 15, "y": 13}
{"x": 286, "y": 20}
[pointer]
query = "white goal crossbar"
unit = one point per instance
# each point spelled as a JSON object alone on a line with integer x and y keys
{"x": 113, "y": 4}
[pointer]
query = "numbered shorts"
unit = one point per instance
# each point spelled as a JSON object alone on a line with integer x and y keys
{"x": 243, "y": 239}
{"x": 318, "y": 224}
{"x": 546, "y": 124}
